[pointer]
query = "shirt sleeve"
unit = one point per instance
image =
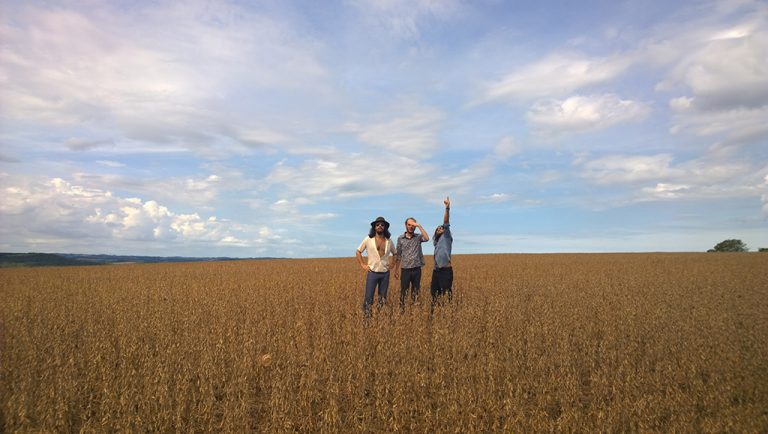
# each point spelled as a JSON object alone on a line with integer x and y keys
{"x": 448, "y": 231}
{"x": 363, "y": 245}
{"x": 399, "y": 248}
{"x": 392, "y": 247}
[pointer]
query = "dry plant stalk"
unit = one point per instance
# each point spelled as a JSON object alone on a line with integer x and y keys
{"x": 531, "y": 343}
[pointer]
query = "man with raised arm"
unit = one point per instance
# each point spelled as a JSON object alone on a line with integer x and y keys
{"x": 411, "y": 259}
{"x": 442, "y": 275}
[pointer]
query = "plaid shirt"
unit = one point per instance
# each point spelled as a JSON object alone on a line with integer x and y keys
{"x": 409, "y": 251}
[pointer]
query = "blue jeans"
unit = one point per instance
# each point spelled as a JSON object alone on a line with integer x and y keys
{"x": 372, "y": 280}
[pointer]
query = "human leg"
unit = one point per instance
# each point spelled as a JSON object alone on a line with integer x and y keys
{"x": 370, "y": 287}
{"x": 404, "y": 282}
{"x": 383, "y": 288}
{"x": 446, "y": 282}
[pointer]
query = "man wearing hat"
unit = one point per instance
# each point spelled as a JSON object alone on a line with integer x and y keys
{"x": 379, "y": 247}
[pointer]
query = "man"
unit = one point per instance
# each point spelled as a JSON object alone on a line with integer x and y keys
{"x": 411, "y": 259}
{"x": 379, "y": 247}
{"x": 442, "y": 275}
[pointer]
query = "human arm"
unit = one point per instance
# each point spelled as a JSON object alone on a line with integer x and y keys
{"x": 360, "y": 260}
{"x": 395, "y": 265}
{"x": 359, "y": 255}
{"x": 395, "y": 258}
{"x": 424, "y": 235}
{"x": 446, "y": 216}
{"x": 394, "y": 261}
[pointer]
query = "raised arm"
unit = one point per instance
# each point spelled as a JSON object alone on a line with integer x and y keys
{"x": 446, "y": 216}
{"x": 424, "y": 235}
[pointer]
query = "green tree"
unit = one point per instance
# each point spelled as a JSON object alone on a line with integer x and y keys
{"x": 730, "y": 246}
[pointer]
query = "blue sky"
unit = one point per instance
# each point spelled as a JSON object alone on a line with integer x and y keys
{"x": 215, "y": 128}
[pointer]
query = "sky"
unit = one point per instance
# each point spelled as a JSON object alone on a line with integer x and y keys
{"x": 283, "y": 128}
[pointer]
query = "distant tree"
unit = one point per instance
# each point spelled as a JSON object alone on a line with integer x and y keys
{"x": 730, "y": 246}
{"x": 763, "y": 249}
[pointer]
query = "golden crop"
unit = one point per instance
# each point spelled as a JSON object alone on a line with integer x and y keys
{"x": 531, "y": 343}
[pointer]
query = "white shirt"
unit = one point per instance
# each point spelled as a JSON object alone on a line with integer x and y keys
{"x": 375, "y": 262}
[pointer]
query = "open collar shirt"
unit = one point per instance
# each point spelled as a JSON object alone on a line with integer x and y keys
{"x": 375, "y": 262}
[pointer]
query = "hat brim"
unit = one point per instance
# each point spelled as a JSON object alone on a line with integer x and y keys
{"x": 386, "y": 223}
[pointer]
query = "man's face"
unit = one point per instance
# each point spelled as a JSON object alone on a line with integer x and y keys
{"x": 440, "y": 230}
{"x": 380, "y": 227}
{"x": 410, "y": 226}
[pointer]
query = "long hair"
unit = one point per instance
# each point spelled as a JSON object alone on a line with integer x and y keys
{"x": 372, "y": 233}
{"x": 436, "y": 236}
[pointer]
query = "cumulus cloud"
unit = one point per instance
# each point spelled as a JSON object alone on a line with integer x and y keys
{"x": 58, "y": 210}
{"x": 727, "y": 73}
{"x": 723, "y": 79}
{"x": 554, "y": 76}
{"x": 584, "y": 113}
{"x": 692, "y": 179}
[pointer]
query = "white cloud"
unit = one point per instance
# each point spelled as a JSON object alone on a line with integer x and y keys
{"x": 693, "y": 179}
{"x": 167, "y": 74}
{"x": 720, "y": 76}
{"x": 622, "y": 168}
{"x": 584, "y": 113}
{"x": 727, "y": 73}
{"x": 408, "y": 129}
{"x": 58, "y": 210}
{"x": 496, "y": 198}
{"x": 505, "y": 148}
{"x": 405, "y": 18}
{"x": 349, "y": 176}
{"x": 110, "y": 163}
{"x": 554, "y": 76}
{"x": 666, "y": 191}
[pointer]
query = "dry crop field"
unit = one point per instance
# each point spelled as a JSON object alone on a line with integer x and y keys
{"x": 531, "y": 343}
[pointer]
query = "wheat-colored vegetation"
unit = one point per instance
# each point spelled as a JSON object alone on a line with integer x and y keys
{"x": 531, "y": 343}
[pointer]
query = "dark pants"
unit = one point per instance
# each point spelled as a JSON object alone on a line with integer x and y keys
{"x": 442, "y": 281}
{"x": 409, "y": 278}
{"x": 372, "y": 280}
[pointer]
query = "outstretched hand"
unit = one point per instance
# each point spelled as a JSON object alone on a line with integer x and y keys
{"x": 447, "y": 202}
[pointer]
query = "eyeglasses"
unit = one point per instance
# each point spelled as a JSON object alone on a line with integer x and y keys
{"x": 381, "y": 224}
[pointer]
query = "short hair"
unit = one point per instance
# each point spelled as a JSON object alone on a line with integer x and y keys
{"x": 409, "y": 218}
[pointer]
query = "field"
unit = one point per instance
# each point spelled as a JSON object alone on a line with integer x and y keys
{"x": 530, "y": 343}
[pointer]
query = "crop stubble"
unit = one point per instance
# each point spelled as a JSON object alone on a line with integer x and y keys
{"x": 531, "y": 343}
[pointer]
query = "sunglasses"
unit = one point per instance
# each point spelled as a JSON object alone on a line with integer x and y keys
{"x": 381, "y": 224}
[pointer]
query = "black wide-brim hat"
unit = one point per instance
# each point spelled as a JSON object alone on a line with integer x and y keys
{"x": 380, "y": 220}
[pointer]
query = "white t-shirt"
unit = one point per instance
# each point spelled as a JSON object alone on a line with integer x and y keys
{"x": 376, "y": 263}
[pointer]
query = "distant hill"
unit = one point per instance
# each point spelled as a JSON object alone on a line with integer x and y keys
{"x": 59, "y": 259}
{"x": 37, "y": 260}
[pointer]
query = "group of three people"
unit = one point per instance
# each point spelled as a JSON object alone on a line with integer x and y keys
{"x": 406, "y": 261}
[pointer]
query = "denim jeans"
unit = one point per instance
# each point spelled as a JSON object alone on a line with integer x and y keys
{"x": 372, "y": 280}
